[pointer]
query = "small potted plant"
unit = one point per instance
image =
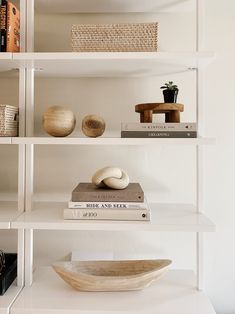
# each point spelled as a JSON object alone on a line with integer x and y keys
{"x": 170, "y": 92}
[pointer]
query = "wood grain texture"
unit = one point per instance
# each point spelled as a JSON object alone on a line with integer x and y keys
{"x": 171, "y": 110}
{"x": 111, "y": 275}
{"x": 58, "y": 121}
{"x": 93, "y": 125}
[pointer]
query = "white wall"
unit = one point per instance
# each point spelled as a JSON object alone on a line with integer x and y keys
{"x": 220, "y": 168}
{"x": 154, "y": 167}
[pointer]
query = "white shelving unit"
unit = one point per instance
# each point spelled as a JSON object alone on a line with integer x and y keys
{"x": 7, "y": 63}
{"x": 115, "y": 6}
{"x": 8, "y": 213}
{"x": 44, "y": 292}
{"x": 111, "y": 141}
{"x": 10, "y": 210}
{"x": 5, "y": 56}
{"x": 8, "y": 298}
{"x": 120, "y": 64}
{"x": 5, "y": 140}
{"x": 165, "y": 217}
{"x": 172, "y": 294}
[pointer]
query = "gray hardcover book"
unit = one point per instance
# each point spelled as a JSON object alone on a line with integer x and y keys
{"x": 158, "y": 134}
{"x": 89, "y": 192}
{"x": 107, "y": 214}
{"x": 183, "y": 126}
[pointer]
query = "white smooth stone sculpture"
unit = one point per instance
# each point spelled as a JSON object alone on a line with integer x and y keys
{"x": 114, "y": 178}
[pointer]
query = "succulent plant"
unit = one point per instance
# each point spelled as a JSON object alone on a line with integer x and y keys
{"x": 170, "y": 86}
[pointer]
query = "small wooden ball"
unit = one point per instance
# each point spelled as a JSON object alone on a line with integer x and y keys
{"x": 93, "y": 126}
{"x": 58, "y": 121}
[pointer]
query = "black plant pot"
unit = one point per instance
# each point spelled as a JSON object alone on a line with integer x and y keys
{"x": 170, "y": 96}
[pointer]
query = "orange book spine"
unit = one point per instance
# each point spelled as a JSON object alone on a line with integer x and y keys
{"x": 3, "y": 14}
{"x": 13, "y": 28}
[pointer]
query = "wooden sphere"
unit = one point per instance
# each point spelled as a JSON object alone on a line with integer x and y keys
{"x": 93, "y": 125}
{"x": 58, "y": 121}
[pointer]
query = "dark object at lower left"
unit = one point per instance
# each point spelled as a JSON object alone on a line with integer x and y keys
{"x": 9, "y": 272}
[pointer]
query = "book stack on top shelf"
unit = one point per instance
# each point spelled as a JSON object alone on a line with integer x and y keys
{"x": 10, "y": 27}
{"x": 159, "y": 130}
{"x": 89, "y": 202}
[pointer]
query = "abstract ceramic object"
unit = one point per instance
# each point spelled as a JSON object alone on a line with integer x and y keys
{"x": 58, "y": 121}
{"x": 112, "y": 177}
{"x": 93, "y": 125}
{"x": 111, "y": 275}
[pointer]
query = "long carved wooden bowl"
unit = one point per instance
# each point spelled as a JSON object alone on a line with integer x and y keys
{"x": 111, "y": 275}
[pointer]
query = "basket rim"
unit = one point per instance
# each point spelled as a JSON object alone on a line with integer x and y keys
{"x": 135, "y": 23}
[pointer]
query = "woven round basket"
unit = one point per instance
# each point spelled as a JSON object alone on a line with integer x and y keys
{"x": 131, "y": 37}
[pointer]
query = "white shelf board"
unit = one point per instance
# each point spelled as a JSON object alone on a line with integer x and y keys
{"x": 6, "y": 62}
{"x": 175, "y": 293}
{"x": 114, "y": 64}
{"x": 111, "y": 141}
{"x": 165, "y": 217}
{"x": 112, "y": 6}
{"x": 5, "y": 140}
{"x": 8, "y": 298}
{"x": 5, "y": 56}
{"x": 8, "y": 213}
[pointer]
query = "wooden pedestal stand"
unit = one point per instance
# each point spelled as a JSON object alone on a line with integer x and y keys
{"x": 172, "y": 111}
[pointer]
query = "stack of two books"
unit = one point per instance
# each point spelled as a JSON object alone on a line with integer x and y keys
{"x": 92, "y": 203}
{"x": 159, "y": 130}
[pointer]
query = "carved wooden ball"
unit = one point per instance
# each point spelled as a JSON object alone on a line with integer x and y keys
{"x": 58, "y": 121}
{"x": 93, "y": 125}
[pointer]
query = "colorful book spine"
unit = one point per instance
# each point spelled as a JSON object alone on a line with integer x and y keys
{"x": 4, "y": 26}
{"x": 13, "y": 28}
{"x": 107, "y": 214}
{"x": 159, "y": 127}
{"x": 0, "y": 23}
{"x": 106, "y": 205}
{"x": 158, "y": 134}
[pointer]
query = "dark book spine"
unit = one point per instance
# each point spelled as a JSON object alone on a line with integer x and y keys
{"x": 0, "y": 22}
{"x": 9, "y": 274}
{"x": 121, "y": 196}
{"x": 4, "y": 26}
{"x": 156, "y": 134}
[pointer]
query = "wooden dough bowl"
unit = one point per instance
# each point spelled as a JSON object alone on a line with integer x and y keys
{"x": 111, "y": 275}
